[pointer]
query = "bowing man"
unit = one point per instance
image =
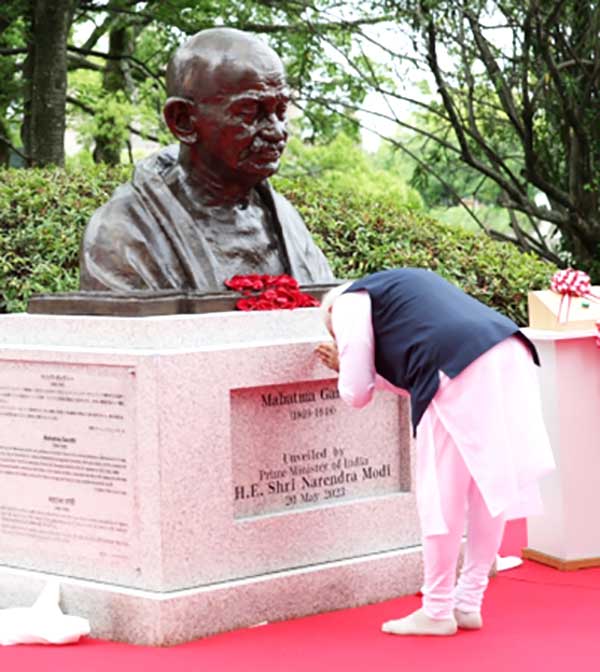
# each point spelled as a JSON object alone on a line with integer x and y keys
{"x": 481, "y": 444}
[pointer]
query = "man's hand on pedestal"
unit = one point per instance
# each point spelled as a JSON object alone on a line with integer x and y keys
{"x": 328, "y": 354}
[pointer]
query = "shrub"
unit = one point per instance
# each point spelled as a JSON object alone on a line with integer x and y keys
{"x": 43, "y": 212}
{"x": 361, "y": 235}
{"x": 42, "y": 215}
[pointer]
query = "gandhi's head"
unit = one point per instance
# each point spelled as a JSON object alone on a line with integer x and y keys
{"x": 227, "y": 102}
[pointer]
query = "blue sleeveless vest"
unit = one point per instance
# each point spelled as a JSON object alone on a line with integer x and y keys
{"x": 423, "y": 324}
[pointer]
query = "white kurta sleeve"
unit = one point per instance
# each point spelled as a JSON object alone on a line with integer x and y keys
{"x": 353, "y": 329}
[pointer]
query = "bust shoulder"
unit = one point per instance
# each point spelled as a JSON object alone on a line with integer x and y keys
{"x": 157, "y": 164}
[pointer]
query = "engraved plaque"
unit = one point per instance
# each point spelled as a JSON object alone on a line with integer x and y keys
{"x": 300, "y": 445}
{"x": 67, "y": 452}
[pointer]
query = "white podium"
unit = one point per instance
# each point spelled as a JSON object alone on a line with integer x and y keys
{"x": 567, "y": 535}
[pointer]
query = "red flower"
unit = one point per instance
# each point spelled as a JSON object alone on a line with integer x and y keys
{"x": 245, "y": 304}
{"x": 286, "y": 281}
{"x": 245, "y": 283}
{"x": 279, "y": 292}
{"x": 263, "y": 304}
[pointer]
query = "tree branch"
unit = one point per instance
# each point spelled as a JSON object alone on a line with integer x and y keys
{"x": 13, "y": 52}
{"x": 528, "y": 208}
{"x": 494, "y": 158}
{"x": 399, "y": 145}
{"x": 516, "y": 189}
{"x": 495, "y": 74}
{"x": 330, "y": 104}
{"x": 140, "y": 64}
{"x": 76, "y": 62}
{"x": 7, "y": 143}
{"x": 317, "y": 27}
{"x": 97, "y": 33}
{"x": 570, "y": 113}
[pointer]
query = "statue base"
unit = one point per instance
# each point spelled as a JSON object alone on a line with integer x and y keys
{"x": 150, "y": 618}
{"x": 144, "y": 303}
{"x": 184, "y": 475}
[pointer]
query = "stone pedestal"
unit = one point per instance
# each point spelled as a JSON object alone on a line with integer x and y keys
{"x": 567, "y": 536}
{"x": 185, "y": 475}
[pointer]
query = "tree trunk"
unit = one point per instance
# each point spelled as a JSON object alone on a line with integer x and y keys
{"x": 27, "y": 74}
{"x": 51, "y": 23}
{"x": 115, "y": 78}
{"x": 4, "y": 148}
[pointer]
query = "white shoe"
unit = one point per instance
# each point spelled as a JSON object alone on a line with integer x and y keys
{"x": 468, "y": 620}
{"x": 418, "y": 623}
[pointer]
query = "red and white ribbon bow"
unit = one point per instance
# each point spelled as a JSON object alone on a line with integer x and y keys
{"x": 570, "y": 283}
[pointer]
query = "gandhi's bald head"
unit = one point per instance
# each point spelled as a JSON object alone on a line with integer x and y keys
{"x": 219, "y": 61}
{"x": 227, "y": 104}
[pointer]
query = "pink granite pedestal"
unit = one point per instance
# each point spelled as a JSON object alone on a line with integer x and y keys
{"x": 186, "y": 475}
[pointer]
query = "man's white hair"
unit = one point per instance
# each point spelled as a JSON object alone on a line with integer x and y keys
{"x": 327, "y": 303}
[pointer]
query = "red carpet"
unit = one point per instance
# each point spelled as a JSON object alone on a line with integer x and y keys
{"x": 536, "y": 618}
{"x": 515, "y": 537}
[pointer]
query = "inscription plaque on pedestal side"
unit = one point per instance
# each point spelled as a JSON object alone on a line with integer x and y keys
{"x": 299, "y": 445}
{"x": 67, "y": 452}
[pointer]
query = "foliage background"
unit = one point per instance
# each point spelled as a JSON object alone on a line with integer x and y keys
{"x": 43, "y": 213}
{"x": 488, "y": 104}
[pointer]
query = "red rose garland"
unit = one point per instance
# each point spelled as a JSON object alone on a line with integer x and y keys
{"x": 569, "y": 283}
{"x": 269, "y": 292}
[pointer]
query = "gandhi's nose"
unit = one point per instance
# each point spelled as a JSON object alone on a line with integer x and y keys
{"x": 274, "y": 130}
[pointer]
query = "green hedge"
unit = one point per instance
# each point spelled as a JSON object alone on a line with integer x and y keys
{"x": 42, "y": 215}
{"x": 43, "y": 212}
{"x": 363, "y": 236}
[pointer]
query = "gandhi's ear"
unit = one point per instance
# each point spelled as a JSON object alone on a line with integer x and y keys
{"x": 180, "y": 116}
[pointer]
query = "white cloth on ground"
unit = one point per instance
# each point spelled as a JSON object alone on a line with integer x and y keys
{"x": 43, "y": 623}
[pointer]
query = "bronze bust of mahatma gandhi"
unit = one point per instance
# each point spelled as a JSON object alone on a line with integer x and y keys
{"x": 202, "y": 212}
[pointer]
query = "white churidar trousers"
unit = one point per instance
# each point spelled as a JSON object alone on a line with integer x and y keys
{"x": 462, "y": 503}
